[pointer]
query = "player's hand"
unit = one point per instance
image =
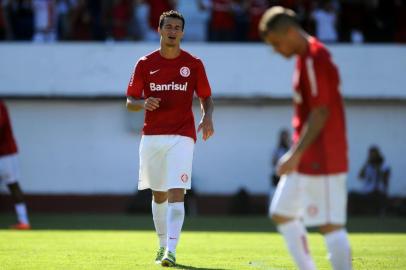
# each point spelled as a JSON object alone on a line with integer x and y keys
{"x": 288, "y": 163}
{"x": 151, "y": 103}
{"x": 206, "y": 125}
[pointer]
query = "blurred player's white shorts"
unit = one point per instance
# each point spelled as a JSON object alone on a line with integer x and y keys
{"x": 165, "y": 162}
{"x": 319, "y": 200}
{"x": 9, "y": 170}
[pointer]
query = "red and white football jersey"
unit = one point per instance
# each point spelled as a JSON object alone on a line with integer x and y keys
{"x": 174, "y": 81}
{"x": 316, "y": 83}
{"x": 8, "y": 145}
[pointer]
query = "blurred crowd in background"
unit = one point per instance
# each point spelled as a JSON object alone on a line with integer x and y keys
{"x": 355, "y": 21}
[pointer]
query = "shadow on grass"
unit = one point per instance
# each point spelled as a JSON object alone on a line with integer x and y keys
{"x": 211, "y": 224}
{"x": 188, "y": 267}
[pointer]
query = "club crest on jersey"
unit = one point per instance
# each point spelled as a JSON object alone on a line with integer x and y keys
{"x": 184, "y": 72}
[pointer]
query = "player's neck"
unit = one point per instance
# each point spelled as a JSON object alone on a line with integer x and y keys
{"x": 303, "y": 43}
{"x": 169, "y": 52}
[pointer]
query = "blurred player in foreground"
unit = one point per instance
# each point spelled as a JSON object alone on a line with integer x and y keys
{"x": 9, "y": 170}
{"x": 312, "y": 189}
{"x": 163, "y": 83}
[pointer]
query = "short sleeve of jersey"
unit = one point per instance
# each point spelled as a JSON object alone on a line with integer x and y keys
{"x": 203, "y": 89}
{"x": 136, "y": 84}
{"x": 320, "y": 71}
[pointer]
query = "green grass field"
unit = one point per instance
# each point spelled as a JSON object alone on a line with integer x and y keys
{"x": 128, "y": 242}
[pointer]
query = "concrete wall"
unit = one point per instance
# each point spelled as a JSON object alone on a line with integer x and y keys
{"x": 91, "y": 147}
{"x": 234, "y": 70}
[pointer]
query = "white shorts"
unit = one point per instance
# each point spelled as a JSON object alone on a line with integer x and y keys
{"x": 165, "y": 162}
{"x": 9, "y": 172}
{"x": 319, "y": 200}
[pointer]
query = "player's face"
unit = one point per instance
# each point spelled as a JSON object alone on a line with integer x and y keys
{"x": 171, "y": 32}
{"x": 282, "y": 43}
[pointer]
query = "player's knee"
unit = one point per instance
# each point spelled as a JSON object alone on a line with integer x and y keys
{"x": 176, "y": 195}
{"x": 279, "y": 219}
{"x": 329, "y": 228}
{"x": 160, "y": 197}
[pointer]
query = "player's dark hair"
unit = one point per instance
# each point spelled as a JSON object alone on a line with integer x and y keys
{"x": 277, "y": 19}
{"x": 171, "y": 14}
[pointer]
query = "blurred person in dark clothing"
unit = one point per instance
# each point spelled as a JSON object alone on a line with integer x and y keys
{"x": 221, "y": 25}
{"x": 375, "y": 176}
{"x": 122, "y": 14}
{"x": 19, "y": 19}
{"x": 256, "y": 9}
{"x": 81, "y": 21}
{"x": 155, "y": 9}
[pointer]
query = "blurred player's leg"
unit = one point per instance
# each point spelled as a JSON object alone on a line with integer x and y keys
{"x": 334, "y": 218}
{"x": 295, "y": 236}
{"x": 339, "y": 249}
{"x": 20, "y": 207}
{"x": 286, "y": 210}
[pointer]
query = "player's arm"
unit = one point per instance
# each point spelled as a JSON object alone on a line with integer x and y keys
{"x": 149, "y": 104}
{"x": 134, "y": 105}
{"x": 206, "y": 123}
{"x": 135, "y": 98}
{"x": 315, "y": 123}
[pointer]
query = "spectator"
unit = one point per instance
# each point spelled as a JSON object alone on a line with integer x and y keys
{"x": 96, "y": 9}
{"x": 19, "y": 15}
{"x": 121, "y": 18}
{"x": 45, "y": 23}
{"x": 352, "y": 22}
{"x": 81, "y": 22}
{"x": 326, "y": 19}
{"x": 63, "y": 13}
{"x": 375, "y": 177}
{"x": 256, "y": 9}
{"x": 240, "y": 9}
{"x": 3, "y": 22}
{"x": 400, "y": 21}
{"x": 156, "y": 8}
{"x": 140, "y": 20}
{"x": 221, "y": 25}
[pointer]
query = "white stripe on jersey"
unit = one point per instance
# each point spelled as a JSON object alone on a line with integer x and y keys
{"x": 312, "y": 76}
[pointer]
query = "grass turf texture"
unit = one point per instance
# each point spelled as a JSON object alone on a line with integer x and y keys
{"x": 128, "y": 242}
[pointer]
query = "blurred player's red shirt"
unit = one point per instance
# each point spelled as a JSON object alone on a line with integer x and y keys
{"x": 316, "y": 83}
{"x": 8, "y": 145}
{"x": 174, "y": 81}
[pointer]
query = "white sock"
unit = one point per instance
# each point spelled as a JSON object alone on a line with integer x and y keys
{"x": 21, "y": 211}
{"x": 159, "y": 215}
{"x": 295, "y": 235}
{"x": 176, "y": 215}
{"x": 339, "y": 250}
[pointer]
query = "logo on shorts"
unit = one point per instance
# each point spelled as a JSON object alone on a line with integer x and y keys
{"x": 184, "y": 178}
{"x": 312, "y": 210}
{"x": 184, "y": 71}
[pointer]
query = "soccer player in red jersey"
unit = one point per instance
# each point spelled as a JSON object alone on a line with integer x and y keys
{"x": 163, "y": 83}
{"x": 9, "y": 172}
{"x": 312, "y": 190}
